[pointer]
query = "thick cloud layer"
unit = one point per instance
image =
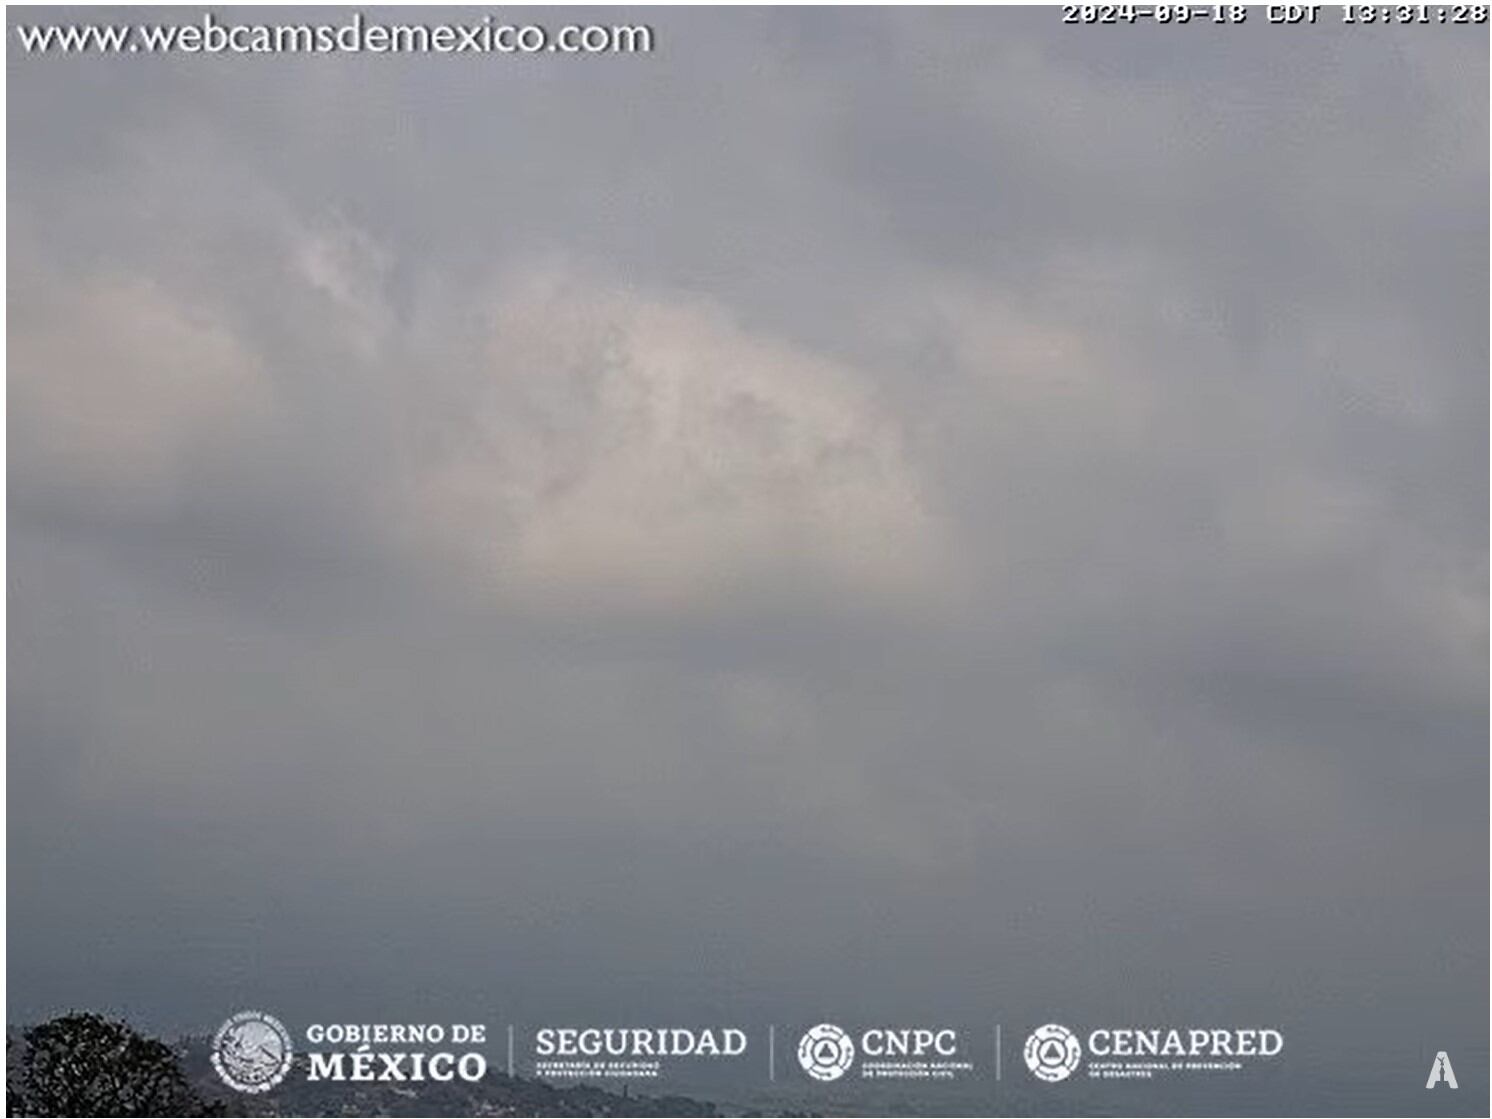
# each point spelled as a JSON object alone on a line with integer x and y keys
{"x": 854, "y": 510}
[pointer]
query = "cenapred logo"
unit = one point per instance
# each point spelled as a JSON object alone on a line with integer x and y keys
{"x": 1052, "y": 1052}
{"x": 251, "y": 1051}
{"x": 826, "y": 1052}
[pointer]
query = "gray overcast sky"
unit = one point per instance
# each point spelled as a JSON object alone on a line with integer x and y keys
{"x": 856, "y": 511}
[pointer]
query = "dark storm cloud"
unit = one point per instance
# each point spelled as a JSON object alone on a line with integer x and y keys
{"x": 845, "y": 483}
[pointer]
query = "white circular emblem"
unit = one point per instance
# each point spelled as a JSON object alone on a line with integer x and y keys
{"x": 825, "y": 1052}
{"x": 1052, "y": 1052}
{"x": 252, "y": 1051}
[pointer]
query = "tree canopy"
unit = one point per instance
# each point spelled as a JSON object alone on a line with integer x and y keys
{"x": 84, "y": 1064}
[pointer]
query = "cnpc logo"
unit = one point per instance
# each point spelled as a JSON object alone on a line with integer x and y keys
{"x": 909, "y": 1043}
{"x": 826, "y": 1051}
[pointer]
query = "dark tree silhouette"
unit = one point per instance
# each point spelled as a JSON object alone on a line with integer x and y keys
{"x": 84, "y": 1064}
